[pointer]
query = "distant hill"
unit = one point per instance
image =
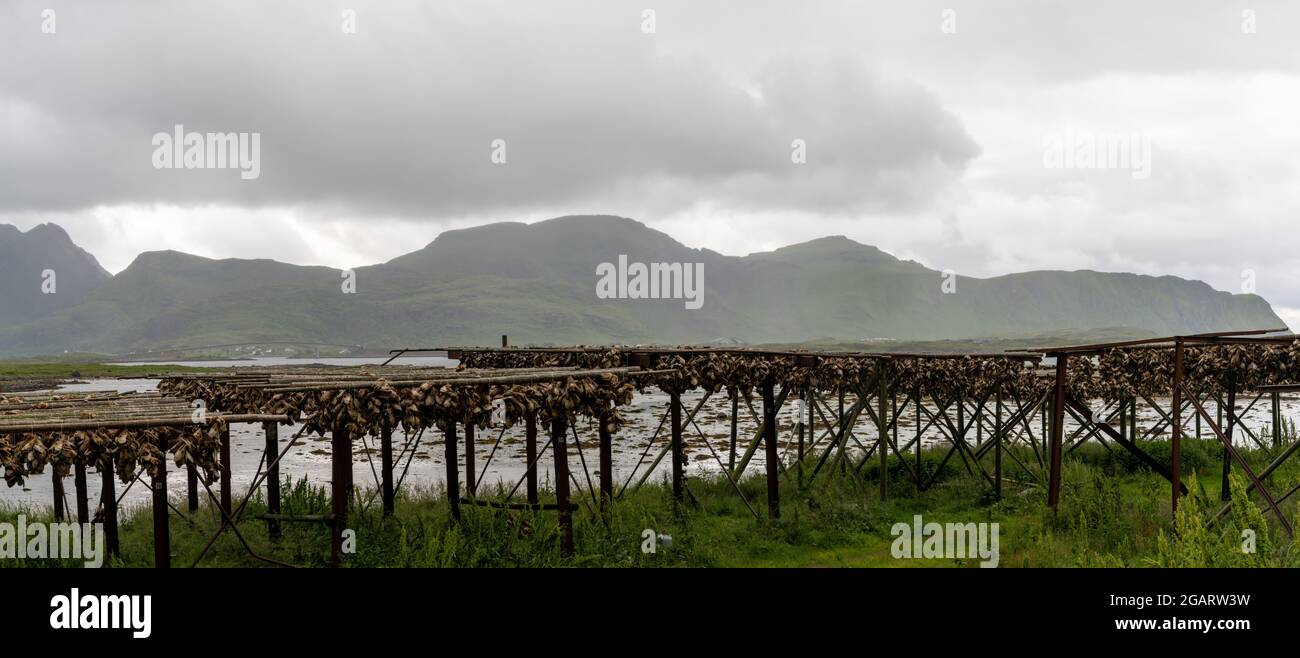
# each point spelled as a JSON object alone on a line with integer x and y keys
{"x": 25, "y": 258}
{"x": 537, "y": 283}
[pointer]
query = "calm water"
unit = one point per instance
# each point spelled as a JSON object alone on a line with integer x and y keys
{"x": 429, "y": 361}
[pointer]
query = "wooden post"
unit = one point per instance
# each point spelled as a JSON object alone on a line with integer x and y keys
{"x": 1058, "y": 429}
{"x": 893, "y": 415}
{"x": 386, "y": 463}
{"x": 961, "y": 417}
{"x": 803, "y": 398}
{"x": 844, "y": 431}
{"x": 505, "y": 341}
{"x": 916, "y": 393}
{"x": 997, "y": 445}
{"x": 225, "y": 473}
{"x": 1123, "y": 419}
{"x": 453, "y": 470}
{"x": 57, "y": 482}
{"x": 678, "y": 450}
{"x": 1276, "y": 399}
{"x": 1044, "y": 430}
{"x": 471, "y": 477}
{"x": 271, "y": 431}
{"x": 108, "y": 502}
{"x": 340, "y": 490}
{"x": 811, "y": 408}
{"x": 1134, "y": 425}
{"x": 192, "y": 487}
{"x": 769, "y": 444}
{"x": 1225, "y": 492}
{"x": 1176, "y": 447}
{"x": 530, "y": 453}
{"x": 606, "y": 466}
{"x": 162, "y": 548}
{"x": 735, "y": 407}
{"x": 559, "y": 444}
{"x": 83, "y": 499}
{"x": 882, "y": 395}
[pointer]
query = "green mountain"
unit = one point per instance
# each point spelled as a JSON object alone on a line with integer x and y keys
{"x": 42, "y": 271}
{"x": 538, "y": 284}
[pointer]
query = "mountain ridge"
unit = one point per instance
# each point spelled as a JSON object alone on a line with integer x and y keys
{"x": 537, "y": 283}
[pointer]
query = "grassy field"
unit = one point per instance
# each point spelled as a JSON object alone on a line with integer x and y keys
{"x": 1112, "y": 513}
{"x": 34, "y": 375}
{"x": 34, "y": 370}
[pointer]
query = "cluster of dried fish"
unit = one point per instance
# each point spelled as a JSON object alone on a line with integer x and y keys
{"x": 713, "y": 370}
{"x": 429, "y": 405}
{"x": 366, "y": 410}
{"x": 578, "y": 357}
{"x": 1123, "y": 373}
{"x": 970, "y": 376}
{"x": 24, "y": 454}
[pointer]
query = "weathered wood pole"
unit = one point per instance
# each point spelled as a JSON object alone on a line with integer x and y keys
{"x": 678, "y": 450}
{"x": 1276, "y": 399}
{"x": 606, "y": 465}
{"x": 453, "y": 470}
{"x": 893, "y": 420}
{"x": 271, "y": 432}
{"x": 340, "y": 490}
{"x": 1224, "y": 491}
{"x": 961, "y": 418}
{"x": 192, "y": 487}
{"x": 530, "y": 453}
{"x": 1044, "y": 430}
{"x": 471, "y": 477}
{"x": 916, "y": 394}
{"x": 225, "y": 473}
{"x": 800, "y": 429}
{"x": 57, "y": 482}
{"x": 559, "y": 444}
{"x": 1123, "y": 419}
{"x": 882, "y": 422}
{"x": 1134, "y": 425}
{"x": 844, "y": 432}
{"x": 1197, "y": 418}
{"x": 735, "y": 408}
{"x": 997, "y": 445}
{"x": 162, "y": 547}
{"x": 1057, "y": 433}
{"x": 769, "y": 444}
{"x": 1176, "y": 445}
{"x": 83, "y": 499}
{"x": 108, "y": 503}
{"x": 812, "y": 420}
{"x": 386, "y": 465}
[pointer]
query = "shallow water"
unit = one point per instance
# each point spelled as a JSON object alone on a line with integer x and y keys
{"x": 265, "y": 361}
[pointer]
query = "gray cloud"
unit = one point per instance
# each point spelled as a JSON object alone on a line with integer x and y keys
{"x": 926, "y": 144}
{"x": 399, "y": 117}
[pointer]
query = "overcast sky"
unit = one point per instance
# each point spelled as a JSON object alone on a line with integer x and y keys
{"x": 927, "y": 142}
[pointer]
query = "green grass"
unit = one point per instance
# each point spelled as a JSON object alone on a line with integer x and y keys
{"x": 1112, "y": 513}
{"x": 55, "y": 370}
